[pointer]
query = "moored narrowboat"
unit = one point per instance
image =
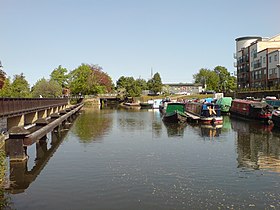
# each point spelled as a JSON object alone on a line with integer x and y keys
{"x": 206, "y": 113}
{"x": 273, "y": 102}
{"x": 258, "y": 110}
{"x": 225, "y": 104}
{"x": 174, "y": 113}
{"x": 147, "y": 105}
{"x": 276, "y": 118}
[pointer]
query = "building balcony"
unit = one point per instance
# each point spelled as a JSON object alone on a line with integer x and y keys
{"x": 257, "y": 65}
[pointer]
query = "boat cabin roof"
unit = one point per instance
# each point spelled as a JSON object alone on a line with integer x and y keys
{"x": 255, "y": 104}
{"x": 172, "y": 106}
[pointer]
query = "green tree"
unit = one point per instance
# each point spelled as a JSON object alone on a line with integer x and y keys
{"x": 142, "y": 84}
{"x": 231, "y": 84}
{"x": 2, "y": 77}
{"x": 6, "y": 90}
{"x": 155, "y": 84}
{"x": 47, "y": 89}
{"x": 78, "y": 80}
{"x": 123, "y": 81}
{"x": 20, "y": 87}
{"x": 90, "y": 79}
{"x": 209, "y": 79}
{"x": 218, "y": 79}
{"x": 60, "y": 76}
{"x": 132, "y": 87}
{"x": 224, "y": 76}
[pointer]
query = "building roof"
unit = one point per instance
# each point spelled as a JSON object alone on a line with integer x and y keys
{"x": 183, "y": 84}
{"x": 248, "y": 37}
{"x": 275, "y": 38}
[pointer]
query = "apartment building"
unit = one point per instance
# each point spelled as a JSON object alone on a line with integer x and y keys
{"x": 273, "y": 68}
{"x": 257, "y": 61}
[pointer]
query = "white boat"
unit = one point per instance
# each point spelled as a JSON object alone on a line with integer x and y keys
{"x": 156, "y": 103}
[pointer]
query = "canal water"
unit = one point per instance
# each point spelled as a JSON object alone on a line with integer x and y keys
{"x": 129, "y": 159}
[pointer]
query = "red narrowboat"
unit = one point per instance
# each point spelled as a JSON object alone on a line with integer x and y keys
{"x": 249, "y": 109}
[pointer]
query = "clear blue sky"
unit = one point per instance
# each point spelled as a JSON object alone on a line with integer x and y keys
{"x": 175, "y": 38}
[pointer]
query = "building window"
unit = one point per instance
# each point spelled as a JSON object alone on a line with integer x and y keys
{"x": 275, "y": 57}
{"x": 269, "y": 59}
{"x": 263, "y": 59}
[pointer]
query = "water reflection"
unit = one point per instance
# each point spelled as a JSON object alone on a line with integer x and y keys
{"x": 226, "y": 124}
{"x": 206, "y": 131}
{"x": 139, "y": 120}
{"x": 156, "y": 123}
{"x": 211, "y": 131}
{"x": 134, "y": 171}
{"x": 175, "y": 129}
{"x": 22, "y": 173}
{"x": 93, "y": 124}
{"x": 257, "y": 146}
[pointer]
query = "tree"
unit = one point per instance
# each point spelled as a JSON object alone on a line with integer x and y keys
{"x": 90, "y": 79}
{"x": 78, "y": 80}
{"x": 155, "y": 84}
{"x": 224, "y": 76}
{"x": 142, "y": 84}
{"x": 100, "y": 81}
{"x": 60, "y": 76}
{"x": 20, "y": 87}
{"x": 208, "y": 78}
{"x": 133, "y": 88}
{"x": 6, "y": 90}
{"x": 2, "y": 77}
{"x": 231, "y": 83}
{"x": 47, "y": 89}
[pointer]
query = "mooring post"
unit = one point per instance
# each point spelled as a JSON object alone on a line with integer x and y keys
{"x": 15, "y": 147}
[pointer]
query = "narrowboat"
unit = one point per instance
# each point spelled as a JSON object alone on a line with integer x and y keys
{"x": 273, "y": 102}
{"x": 147, "y": 105}
{"x": 258, "y": 110}
{"x": 174, "y": 113}
{"x": 163, "y": 104}
{"x": 206, "y": 113}
{"x": 225, "y": 104}
{"x": 157, "y": 103}
{"x": 276, "y": 118}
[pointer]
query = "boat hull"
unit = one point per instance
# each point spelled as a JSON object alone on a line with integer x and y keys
{"x": 276, "y": 118}
{"x": 206, "y": 113}
{"x": 146, "y": 106}
{"x": 211, "y": 120}
{"x": 175, "y": 117}
{"x": 248, "y": 109}
{"x": 174, "y": 112}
